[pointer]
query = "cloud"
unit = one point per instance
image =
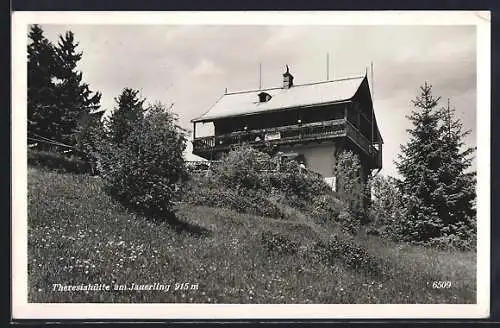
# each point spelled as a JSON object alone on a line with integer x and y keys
{"x": 207, "y": 67}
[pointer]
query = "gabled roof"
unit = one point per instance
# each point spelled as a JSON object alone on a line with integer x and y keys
{"x": 302, "y": 95}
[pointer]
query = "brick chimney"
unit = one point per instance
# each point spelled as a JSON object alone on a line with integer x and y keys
{"x": 287, "y": 79}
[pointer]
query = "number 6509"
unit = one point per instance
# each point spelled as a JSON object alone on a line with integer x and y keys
{"x": 441, "y": 284}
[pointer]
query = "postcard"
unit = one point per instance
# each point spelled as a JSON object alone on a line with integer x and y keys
{"x": 239, "y": 165}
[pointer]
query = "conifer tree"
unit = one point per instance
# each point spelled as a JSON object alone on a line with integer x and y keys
{"x": 438, "y": 193}
{"x": 458, "y": 208}
{"x": 42, "y": 113}
{"x": 419, "y": 164}
{"x": 74, "y": 98}
{"x": 129, "y": 110}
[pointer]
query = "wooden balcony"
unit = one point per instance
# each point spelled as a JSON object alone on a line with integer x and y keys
{"x": 207, "y": 147}
{"x": 374, "y": 151}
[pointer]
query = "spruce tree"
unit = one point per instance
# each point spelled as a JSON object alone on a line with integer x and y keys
{"x": 42, "y": 112}
{"x": 457, "y": 209}
{"x": 129, "y": 110}
{"x": 419, "y": 164}
{"x": 74, "y": 98}
{"x": 439, "y": 192}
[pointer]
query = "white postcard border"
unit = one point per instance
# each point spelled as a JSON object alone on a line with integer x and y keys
{"x": 21, "y": 309}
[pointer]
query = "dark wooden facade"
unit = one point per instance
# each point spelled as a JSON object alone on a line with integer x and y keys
{"x": 349, "y": 124}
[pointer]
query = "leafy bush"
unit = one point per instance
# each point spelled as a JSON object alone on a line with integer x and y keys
{"x": 242, "y": 168}
{"x": 326, "y": 208}
{"x": 248, "y": 168}
{"x": 329, "y": 209}
{"x": 350, "y": 223}
{"x": 250, "y": 181}
{"x": 303, "y": 186}
{"x": 88, "y": 139}
{"x": 205, "y": 191}
{"x": 458, "y": 236}
{"x": 387, "y": 209}
{"x": 57, "y": 162}
{"x": 146, "y": 170}
{"x": 354, "y": 256}
{"x": 247, "y": 180}
{"x": 275, "y": 243}
{"x": 453, "y": 242}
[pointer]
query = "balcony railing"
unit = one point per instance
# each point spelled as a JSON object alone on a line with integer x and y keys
{"x": 278, "y": 135}
{"x": 362, "y": 142}
{"x": 286, "y": 134}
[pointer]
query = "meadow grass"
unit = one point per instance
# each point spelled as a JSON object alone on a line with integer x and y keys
{"x": 78, "y": 235}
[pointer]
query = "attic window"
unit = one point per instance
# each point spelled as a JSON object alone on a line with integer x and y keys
{"x": 264, "y": 97}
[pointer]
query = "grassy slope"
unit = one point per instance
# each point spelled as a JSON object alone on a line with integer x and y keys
{"x": 78, "y": 235}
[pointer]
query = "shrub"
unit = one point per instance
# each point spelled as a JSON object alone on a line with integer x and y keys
{"x": 303, "y": 186}
{"x": 146, "y": 170}
{"x": 326, "y": 208}
{"x": 204, "y": 191}
{"x": 459, "y": 236}
{"x": 387, "y": 209}
{"x": 89, "y": 137}
{"x": 57, "y": 162}
{"x": 329, "y": 209}
{"x": 275, "y": 243}
{"x": 349, "y": 223}
{"x": 354, "y": 256}
{"x": 245, "y": 179}
{"x": 452, "y": 242}
{"x": 248, "y": 168}
{"x": 241, "y": 168}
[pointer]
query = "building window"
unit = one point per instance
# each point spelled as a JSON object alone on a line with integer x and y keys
{"x": 332, "y": 182}
{"x": 264, "y": 97}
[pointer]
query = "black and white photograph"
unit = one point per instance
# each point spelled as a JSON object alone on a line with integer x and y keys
{"x": 309, "y": 164}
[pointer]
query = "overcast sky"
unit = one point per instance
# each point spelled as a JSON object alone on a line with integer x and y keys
{"x": 191, "y": 66}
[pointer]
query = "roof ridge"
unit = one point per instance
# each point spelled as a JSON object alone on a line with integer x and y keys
{"x": 248, "y": 91}
{"x": 297, "y": 85}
